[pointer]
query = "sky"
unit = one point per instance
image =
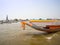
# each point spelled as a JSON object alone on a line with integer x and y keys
{"x": 23, "y": 9}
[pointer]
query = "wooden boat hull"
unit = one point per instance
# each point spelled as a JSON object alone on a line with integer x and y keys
{"x": 48, "y": 28}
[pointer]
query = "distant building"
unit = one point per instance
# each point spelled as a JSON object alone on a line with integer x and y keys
{"x": 7, "y": 20}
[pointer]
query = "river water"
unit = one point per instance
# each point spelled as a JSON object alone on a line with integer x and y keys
{"x": 12, "y": 34}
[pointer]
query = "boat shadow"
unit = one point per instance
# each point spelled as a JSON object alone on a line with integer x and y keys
{"x": 41, "y": 33}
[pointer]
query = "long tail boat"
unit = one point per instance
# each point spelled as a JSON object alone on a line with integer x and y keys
{"x": 45, "y": 25}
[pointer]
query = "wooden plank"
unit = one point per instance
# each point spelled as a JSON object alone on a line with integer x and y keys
{"x": 53, "y": 26}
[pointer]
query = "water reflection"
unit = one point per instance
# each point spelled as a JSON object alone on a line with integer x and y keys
{"x": 49, "y": 39}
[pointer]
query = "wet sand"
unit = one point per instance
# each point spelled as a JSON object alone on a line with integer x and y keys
{"x": 12, "y": 34}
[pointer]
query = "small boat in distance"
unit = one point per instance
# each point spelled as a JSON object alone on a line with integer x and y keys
{"x": 45, "y": 25}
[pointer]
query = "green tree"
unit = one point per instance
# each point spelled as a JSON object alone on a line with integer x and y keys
{"x": 15, "y": 19}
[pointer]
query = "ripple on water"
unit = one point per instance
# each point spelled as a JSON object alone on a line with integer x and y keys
{"x": 12, "y": 34}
